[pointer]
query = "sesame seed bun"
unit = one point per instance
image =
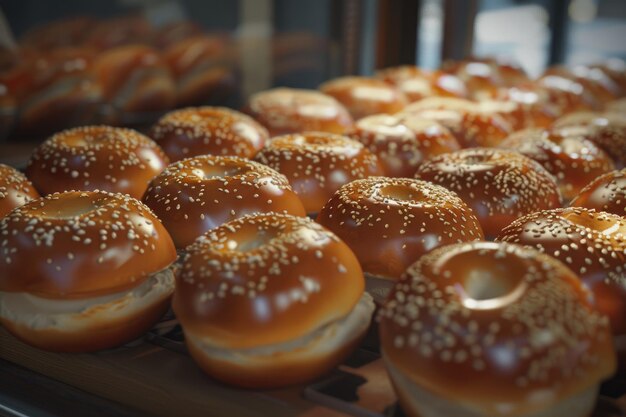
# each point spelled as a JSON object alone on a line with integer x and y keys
{"x": 15, "y": 189}
{"x": 573, "y": 160}
{"x": 515, "y": 323}
{"x": 208, "y": 131}
{"x": 364, "y": 96}
{"x": 498, "y": 185}
{"x": 83, "y": 270}
{"x": 317, "y": 164}
{"x": 290, "y": 110}
{"x": 264, "y": 284}
{"x": 96, "y": 158}
{"x": 403, "y": 142}
{"x": 390, "y": 223}
{"x": 590, "y": 243}
{"x": 201, "y": 193}
{"x": 605, "y": 193}
{"x": 472, "y": 123}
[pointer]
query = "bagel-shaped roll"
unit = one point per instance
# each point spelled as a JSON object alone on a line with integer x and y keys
{"x": 198, "y": 194}
{"x": 317, "y": 164}
{"x": 590, "y": 243}
{"x": 402, "y": 141}
{"x": 573, "y": 160}
{"x": 605, "y": 193}
{"x": 83, "y": 271}
{"x": 290, "y": 110}
{"x": 270, "y": 300}
{"x": 498, "y": 185}
{"x": 364, "y": 96}
{"x": 96, "y": 158}
{"x": 15, "y": 189}
{"x": 208, "y": 131}
{"x": 494, "y": 329}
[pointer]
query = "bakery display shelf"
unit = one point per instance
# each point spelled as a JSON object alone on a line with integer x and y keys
{"x": 156, "y": 376}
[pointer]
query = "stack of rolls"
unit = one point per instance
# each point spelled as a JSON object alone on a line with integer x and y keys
{"x": 122, "y": 71}
{"x": 440, "y": 198}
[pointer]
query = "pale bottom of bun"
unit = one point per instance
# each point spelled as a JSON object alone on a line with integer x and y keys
{"x": 418, "y": 402}
{"x": 378, "y": 287}
{"x": 88, "y": 324}
{"x": 287, "y": 363}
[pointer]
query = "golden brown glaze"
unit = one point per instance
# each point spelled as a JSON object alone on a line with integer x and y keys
{"x": 67, "y": 245}
{"x": 481, "y": 77}
{"x": 605, "y": 193}
{"x": 208, "y": 131}
{"x": 200, "y": 69}
{"x": 390, "y": 223}
{"x": 491, "y": 325}
{"x": 567, "y": 94}
{"x": 15, "y": 189}
{"x": 499, "y": 185}
{"x": 96, "y": 158}
{"x": 317, "y": 164}
{"x": 607, "y": 130}
{"x": 289, "y": 110}
{"x": 590, "y": 243}
{"x": 617, "y": 106}
{"x": 202, "y": 193}
{"x": 532, "y": 106}
{"x": 595, "y": 82}
{"x": 573, "y": 160}
{"x": 402, "y": 142}
{"x": 265, "y": 279}
{"x": 473, "y": 124}
{"x": 134, "y": 79}
{"x": 417, "y": 83}
{"x": 363, "y": 96}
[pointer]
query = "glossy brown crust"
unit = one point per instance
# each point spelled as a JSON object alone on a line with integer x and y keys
{"x": 302, "y": 275}
{"x": 573, "y": 160}
{"x": 514, "y": 322}
{"x": 134, "y": 79}
{"x": 417, "y": 83}
{"x": 390, "y": 223}
{"x": 590, "y": 243}
{"x": 208, "y": 131}
{"x": 402, "y": 142}
{"x": 499, "y": 185}
{"x": 532, "y": 107}
{"x": 364, "y": 96}
{"x": 290, "y": 110}
{"x": 81, "y": 244}
{"x": 15, "y": 189}
{"x": 569, "y": 95}
{"x": 473, "y": 124}
{"x": 480, "y": 77}
{"x": 282, "y": 370}
{"x": 595, "y": 81}
{"x": 200, "y": 68}
{"x": 202, "y": 193}
{"x": 96, "y": 158}
{"x": 317, "y": 164}
{"x": 103, "y": 335}
{"x": 605, "y": 193}
{"x": 607, "y": 130}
